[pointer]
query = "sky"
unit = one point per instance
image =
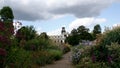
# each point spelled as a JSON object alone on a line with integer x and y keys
{"x": 51, "y": 15}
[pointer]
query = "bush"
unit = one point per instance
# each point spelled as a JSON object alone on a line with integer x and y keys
{"x": 36, "y": 44}
{"x": 80, "y": 52}
{"x": 18, "y": 57}
{"x": 76, "y": 56}
{"x": 46, "y": 57}
{"x": 56, "y": 54}
{"x": 112, "y": 36}
{"x": 3, "y": 54}
{"x": 114, "y": 52}
{"x": 87, "y": 63}
{"x": 106, "y": 54}
{"x": 97, "y": 57}
{"x": 32, "y": 45}
{"x": 66, "y": 48}
{"x": 42, "y": 57}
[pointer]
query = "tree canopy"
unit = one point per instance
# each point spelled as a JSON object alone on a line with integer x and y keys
{"x": 96, "y": 30}
{"x": 79, "y": 34}
{"x": 26, "y": 33}
{"x": 6, "y": 14}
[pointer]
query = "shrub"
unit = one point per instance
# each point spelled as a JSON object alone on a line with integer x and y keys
{"x": 112, "y": 36}
{"x": 87, "y": 63}
{"x": 36, "y": 44}
{"x": 32, "y": 45}
{"x": 99, "y": 53}
{"x": 114, "y": 52}
{"x": 66, "y": 48}
{"x": 46, "y": 57}
{"x": 56, "y": 54}
{"x": 3, "y": 55}
{"x": 26, "y": 33}
{"x": 106, "y": 54}
{"x": 6, "y": 31}
{"x": 76, "y": 56}
{"x": 42, "y": 57}
{"x": 18, "y": 57}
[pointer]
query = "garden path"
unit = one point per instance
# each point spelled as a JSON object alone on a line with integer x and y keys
{"x": 63, "y": 63}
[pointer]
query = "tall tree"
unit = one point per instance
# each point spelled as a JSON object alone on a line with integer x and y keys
{"x": 79, "y": 34}
{"x": 72, "y": 40}
{"x": 26, "y": 33}
{"x": 74, "y": 32}
{"x": 82, "y": 29}
{"x": 96, "y": 30}
{"x": 83, "y": 33}
{"x": 7, "y": 14}
{"x": 43, "y": 36}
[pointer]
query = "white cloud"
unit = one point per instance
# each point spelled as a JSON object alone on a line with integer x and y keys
{"x": 55, "y": 32}
{"x": 39, "y": 30}
{"x": 86, "y": 22}
{"x": 47, "y": 9}
{"x": 117, "y": 24}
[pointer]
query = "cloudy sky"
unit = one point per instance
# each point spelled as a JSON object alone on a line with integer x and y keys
{"x": 50, "y": 15}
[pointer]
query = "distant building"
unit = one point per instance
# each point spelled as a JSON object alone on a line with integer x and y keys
{"x": 60, "y": 39}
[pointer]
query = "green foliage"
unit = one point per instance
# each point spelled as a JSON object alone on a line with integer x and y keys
{"x": 112, "y": 36}
{"x": 100, "y": 53}
{"x": 82, "y": 29}
{"x": 42, "y": 57}
{"x": 98, "y": 57}
{"x": 46, "y": 57}
{"x": 66, "y": 48}
{"x": 56, "y": 54}
{"x": 6, "y": 13}
{"x": 74, "y": 32}
{"x": 33, "y": 45}
{"x": 26, "y": 33}
{"x": 87, "y": 63}
{"x": 35, "y": 50}
{"x": 18, "y": 57}
{"x": 79, "y": 34}
{"x": 43, "y": 36}
{"x": 37, "y": 44}
{"x": 96, "y": 30}
{"x": 73, "y": 40}
{"x": 114, "y": 51}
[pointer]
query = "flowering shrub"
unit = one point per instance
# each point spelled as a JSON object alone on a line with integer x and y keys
{"x": 6, "y": 31}
{"x": 76, "y": 56}
{"x": 114, "y": 57}
{"x": 112, "y": 36}
{"x": 99, "y": 53}
{"x": 98, "y": 57}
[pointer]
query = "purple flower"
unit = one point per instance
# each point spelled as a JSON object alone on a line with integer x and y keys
{"x": 93, "y": 58}
{"x": 109, "y": 59}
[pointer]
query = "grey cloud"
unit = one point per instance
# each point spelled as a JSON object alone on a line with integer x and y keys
{"x": 42, "y": 9}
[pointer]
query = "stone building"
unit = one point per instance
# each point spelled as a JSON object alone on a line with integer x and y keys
{"x": 60, "y": 39}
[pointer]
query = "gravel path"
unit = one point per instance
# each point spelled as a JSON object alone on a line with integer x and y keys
{"x": 63, "y": 63}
